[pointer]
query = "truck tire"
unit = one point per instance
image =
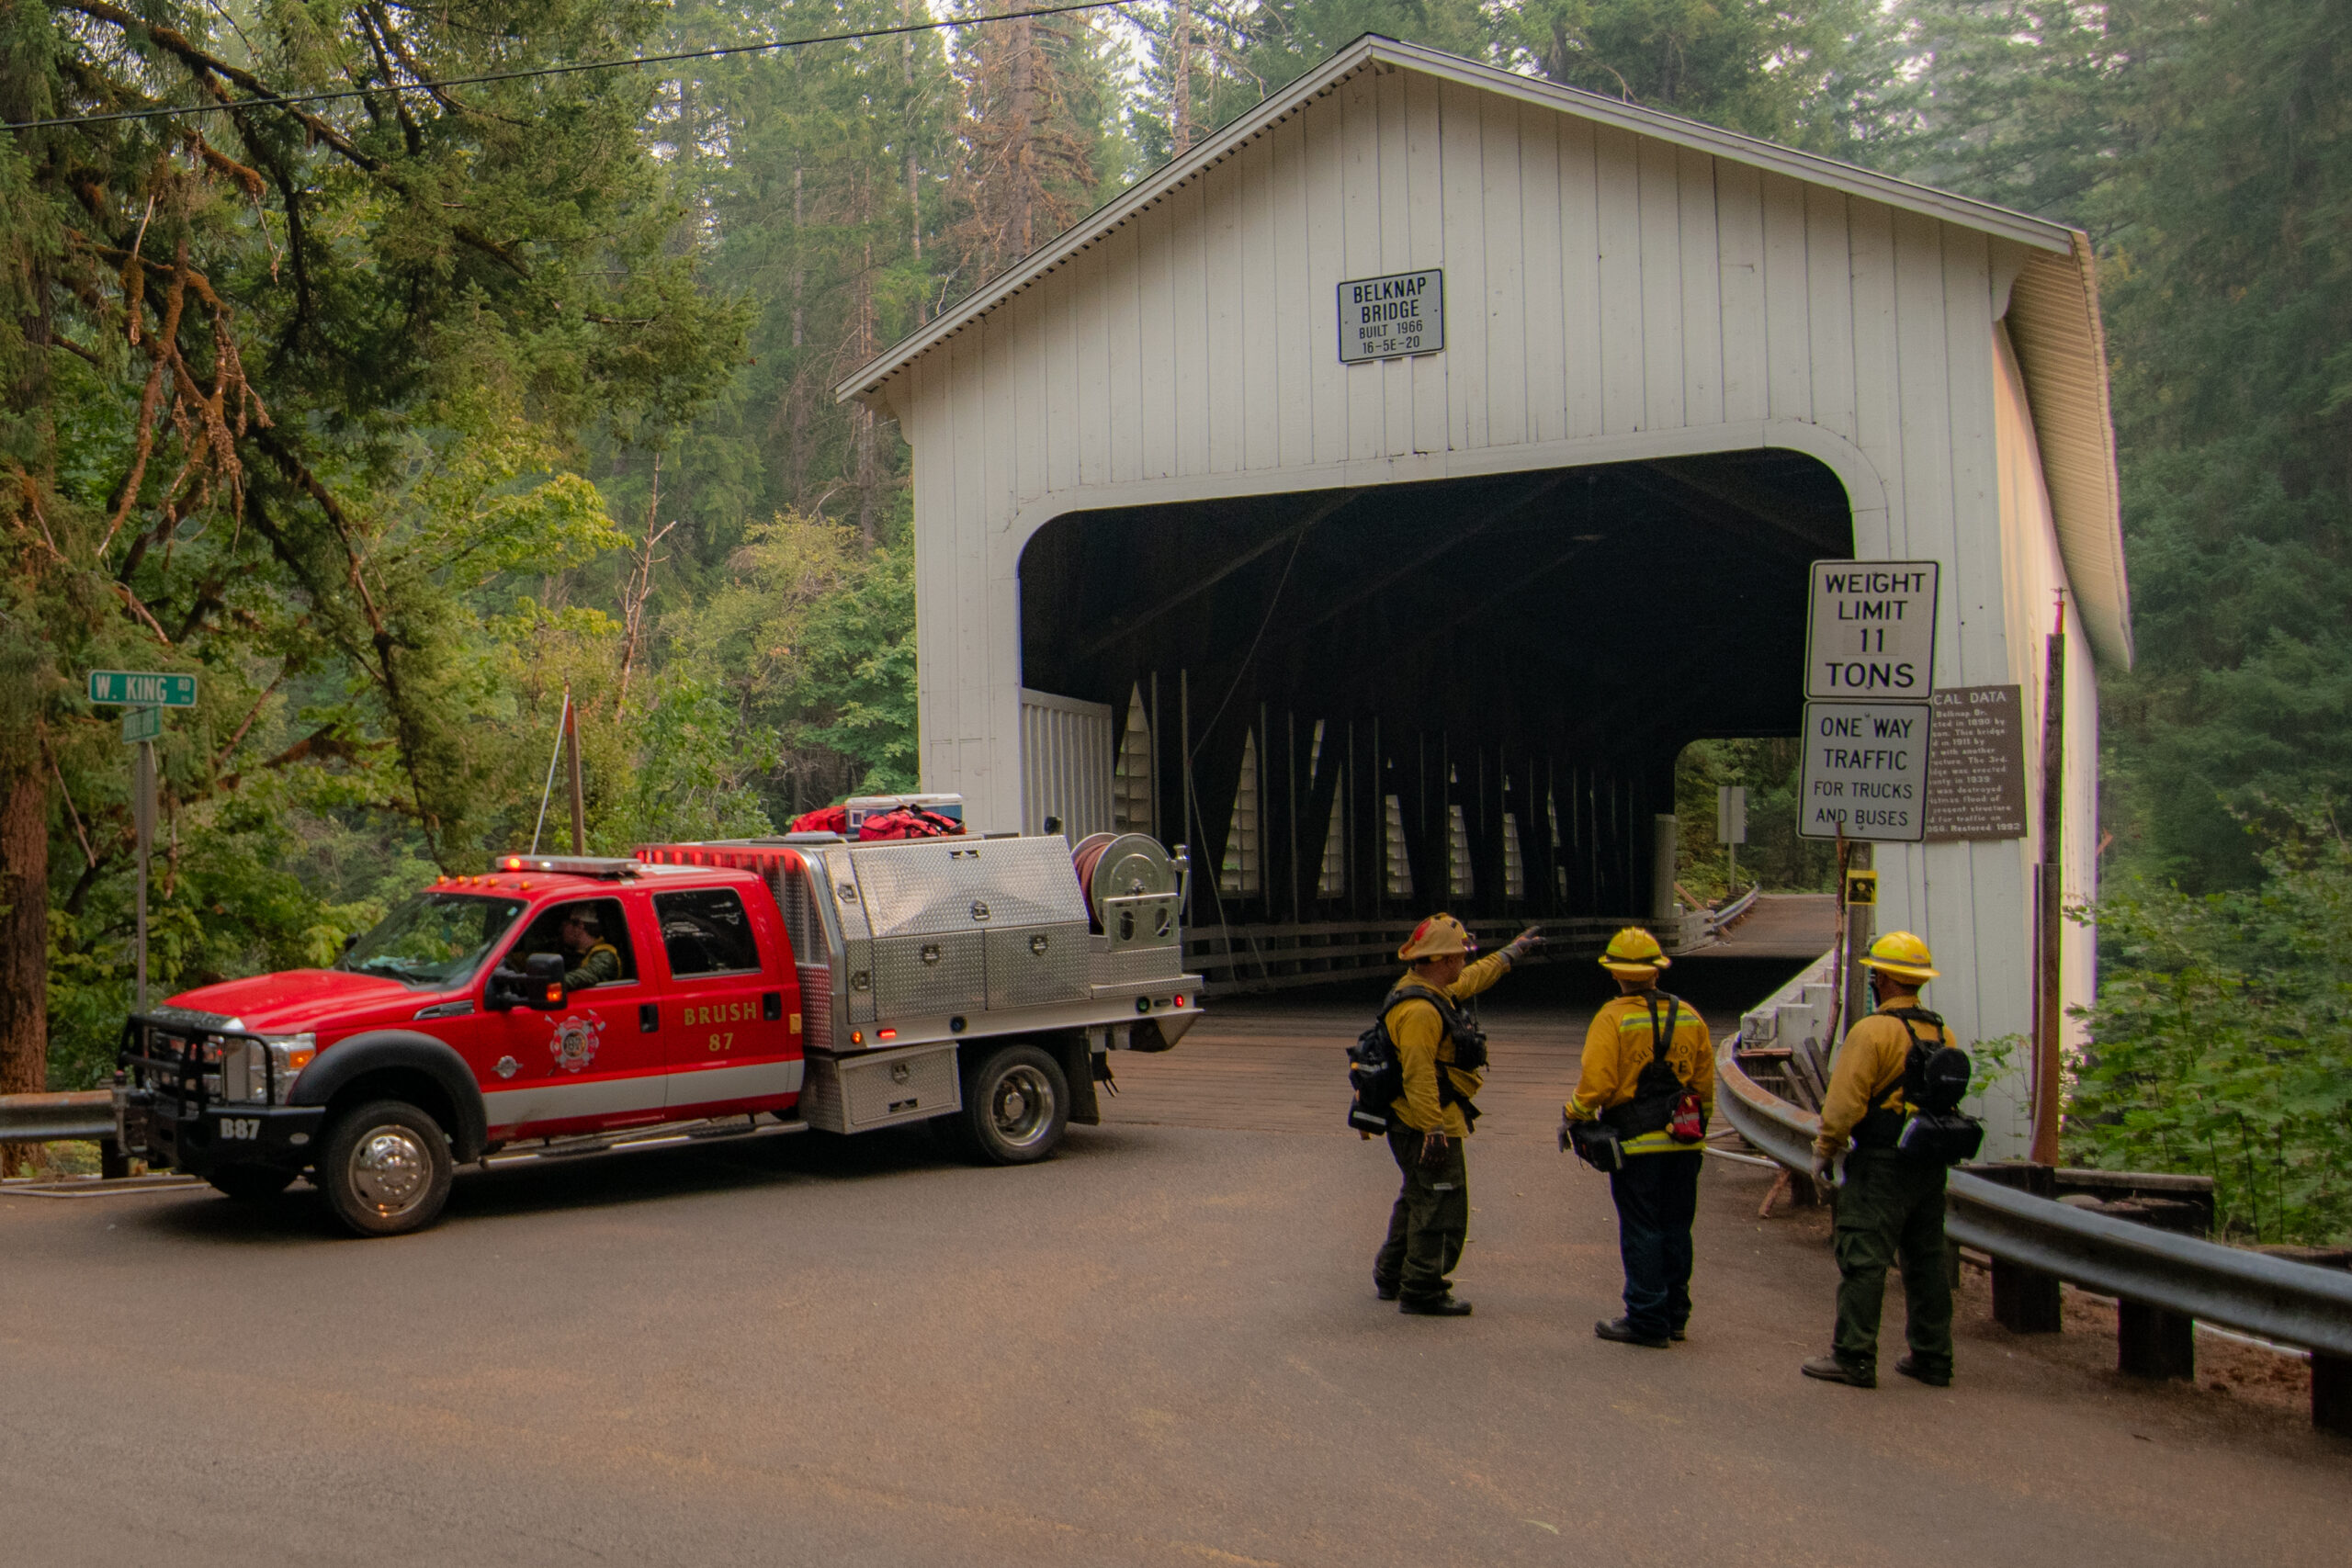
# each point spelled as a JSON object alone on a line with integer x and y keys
{"x": 386, "y": 1168}
{"x": 1016, "y": 1103}
{"x": 250, "y": 1183}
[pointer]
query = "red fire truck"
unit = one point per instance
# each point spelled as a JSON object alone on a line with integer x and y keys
{"x": 754, "y": 987}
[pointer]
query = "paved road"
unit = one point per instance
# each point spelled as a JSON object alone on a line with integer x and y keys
{"x": 1160, "y": 1347}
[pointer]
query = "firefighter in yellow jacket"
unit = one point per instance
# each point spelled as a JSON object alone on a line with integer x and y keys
{"x": 1443, "y": 1056}
{"x": 1648, "y": 1073}
{"x": 1890, "y": 1206}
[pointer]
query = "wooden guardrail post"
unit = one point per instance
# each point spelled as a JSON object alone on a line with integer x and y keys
{"x": 2153, "y": 1343}
{"x": 2331, "y": 1393}
{"x": 2025, "y": 1301}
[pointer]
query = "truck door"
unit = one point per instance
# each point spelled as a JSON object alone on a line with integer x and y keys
{"x": 592, "y": 1065}
{"x": 729, "y": 1017}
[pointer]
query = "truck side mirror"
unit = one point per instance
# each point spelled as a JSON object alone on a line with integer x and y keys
{"x": 543, "y": 981}
{"x": 539, "y": 987}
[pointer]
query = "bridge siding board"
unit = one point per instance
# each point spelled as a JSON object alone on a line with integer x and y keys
{"x": 1327, "y": 258}
{"x": 1657, "y": 192}
{"x": 1396, "y": 221}
{"x": 1463, "y": 187}
{"x": 1425, "y": 242}
{"x": 1259, "y": 399}
{"x": 1829, "y": 313}
{"x": 1581, "y": 278}
{"x": 1155, "y": 318}
{"x": 1788, "y": 341}
{"x": 1739, "y": 225}
{"x": 1701, "y": 292}
{"x": 1618, "y": 230}
{"x": 1540, "y": 195}
{"x": 1502, "y": 309}
{"x": 1190, "y": 268}
{"x": 1877, "y": 417}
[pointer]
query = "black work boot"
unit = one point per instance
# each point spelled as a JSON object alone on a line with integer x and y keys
{"x": 1434, "y": 1306}
{"x": 1383, "y": 1289}
{"x": 1910, "y": 1369}
{"x": 1829, "y": 1369}
{"x": 1619, "y": 1331}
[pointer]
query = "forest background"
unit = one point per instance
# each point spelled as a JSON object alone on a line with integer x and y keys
{"x": 392, "y": 413}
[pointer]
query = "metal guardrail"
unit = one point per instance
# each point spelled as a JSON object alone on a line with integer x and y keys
{"x": 1719, "y": 918}
{"x": 57, "y": 1118}
{"x": 2140, "y": 1265}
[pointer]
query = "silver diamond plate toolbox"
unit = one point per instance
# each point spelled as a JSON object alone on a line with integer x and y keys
{"x": 854, "y": 1094}
{"x": 1038, "y": 964}
{"x": 922, "y": 973}
{"x": 951, "y": 884}
{"x": 1137, "y": 966}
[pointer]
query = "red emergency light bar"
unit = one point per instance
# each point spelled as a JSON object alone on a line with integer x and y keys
{"x": 609, "y": 867}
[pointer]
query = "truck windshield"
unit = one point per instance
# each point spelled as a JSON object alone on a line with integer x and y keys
{"x": 434, "y": 941}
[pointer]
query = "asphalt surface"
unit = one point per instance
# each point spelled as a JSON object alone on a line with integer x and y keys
{"x": 1160, "y": 1347}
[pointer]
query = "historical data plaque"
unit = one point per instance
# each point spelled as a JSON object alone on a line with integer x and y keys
{"x": 1976, "y": 765}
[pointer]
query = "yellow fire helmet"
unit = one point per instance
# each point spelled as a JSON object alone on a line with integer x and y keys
{"x": 1435, "y": 938}
{"x": 1635, "y": 954}
{"x": 1900, "y": 955}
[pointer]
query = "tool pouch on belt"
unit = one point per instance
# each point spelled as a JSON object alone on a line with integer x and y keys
{"x": 1597, "y": 1144}
{"x": 1662, "y": 1102}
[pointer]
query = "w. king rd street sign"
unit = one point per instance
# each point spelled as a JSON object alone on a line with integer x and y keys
{"x": 128, "y": 688}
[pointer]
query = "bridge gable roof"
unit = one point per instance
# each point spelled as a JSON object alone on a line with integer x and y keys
{"x": 2054, "y": 320}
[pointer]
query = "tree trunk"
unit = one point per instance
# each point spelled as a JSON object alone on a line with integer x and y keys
{"x": 24, "y": 935}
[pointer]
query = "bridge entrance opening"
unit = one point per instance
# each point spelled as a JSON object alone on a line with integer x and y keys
{"x": 1358, "y": 705}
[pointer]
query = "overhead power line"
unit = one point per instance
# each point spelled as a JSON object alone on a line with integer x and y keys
{"x": 422, "y": 86}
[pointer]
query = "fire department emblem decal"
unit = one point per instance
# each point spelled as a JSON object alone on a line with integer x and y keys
{"x": 575, "y": 1042}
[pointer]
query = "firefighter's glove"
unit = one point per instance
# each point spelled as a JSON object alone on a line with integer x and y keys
{"x": 1524, "y": 942}
{"x": 1567, "y": 1142}
{"x": 1825, "y": 1170}
{"x": 1434, "y": 1150}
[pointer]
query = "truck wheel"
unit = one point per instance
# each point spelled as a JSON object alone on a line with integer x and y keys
{"x": 250, "y": 1183}
{"x": 385, "y": 1168}
{"x": 1015, "y": 1105}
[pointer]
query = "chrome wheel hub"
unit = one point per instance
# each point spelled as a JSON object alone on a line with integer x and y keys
{"x": 390, "y": 1169}
{"x": 1022, "y": 1107}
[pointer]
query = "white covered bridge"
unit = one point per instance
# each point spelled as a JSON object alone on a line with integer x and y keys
{"x": 1429, "y": 630}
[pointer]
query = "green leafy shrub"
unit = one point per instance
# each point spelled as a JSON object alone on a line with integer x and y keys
{"x": 2222, "y": 1041}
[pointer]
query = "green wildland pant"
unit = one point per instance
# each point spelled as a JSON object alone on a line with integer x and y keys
{"x": 1428, "y": 1226}
{"x": 1891, "y": 1211}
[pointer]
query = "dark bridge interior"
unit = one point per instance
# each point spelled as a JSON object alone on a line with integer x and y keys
{"x": 1465, "y": 693}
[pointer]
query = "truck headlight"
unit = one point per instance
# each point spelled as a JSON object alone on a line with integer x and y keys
{"x": 247, "y": 1067}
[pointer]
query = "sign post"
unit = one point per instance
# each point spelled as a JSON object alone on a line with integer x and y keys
{"x": 1731, "y": 827}
{"x": 142, "y": 811}
{"x": 146, "y": 696}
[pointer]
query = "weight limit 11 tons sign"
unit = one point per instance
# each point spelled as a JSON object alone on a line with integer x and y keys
{"x": 1870, "y": 668}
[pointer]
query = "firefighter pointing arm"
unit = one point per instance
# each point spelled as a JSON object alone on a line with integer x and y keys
{"x": 1443, "y": 1055}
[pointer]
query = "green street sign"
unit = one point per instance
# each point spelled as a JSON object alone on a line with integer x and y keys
{"x": 141, "y": 723}
{"x": 130, "y": 688}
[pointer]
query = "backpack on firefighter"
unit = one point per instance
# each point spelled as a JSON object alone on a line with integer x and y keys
{"x": 1930, "y": 1127}
{"x": 1376, "y": 1073}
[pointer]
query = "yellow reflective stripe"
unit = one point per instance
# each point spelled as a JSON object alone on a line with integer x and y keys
{"x": 1657, "y": 1143}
